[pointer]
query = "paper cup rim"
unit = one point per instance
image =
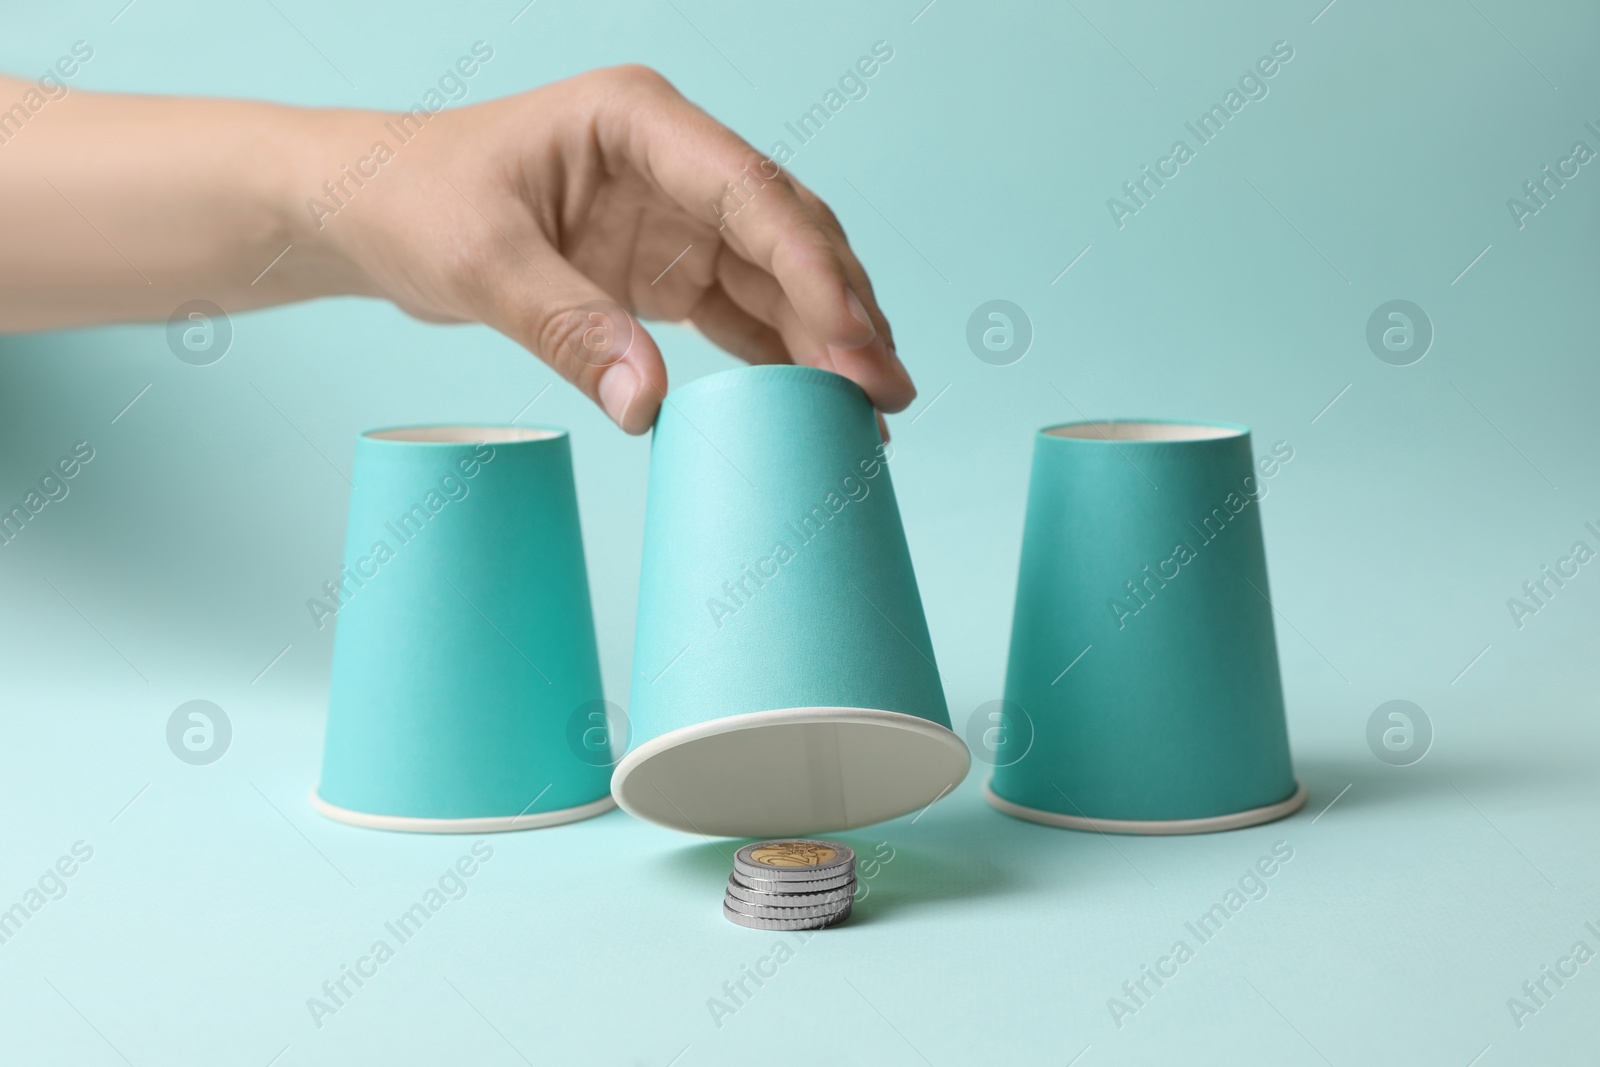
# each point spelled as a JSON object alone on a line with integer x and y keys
{"x": 1234, "y": 431}
{"x": 1237, "y": 820}
{"x": 484, "y": 824}
{"x": 932, "y": 741}
{"x": 536, "y": 435}
{"x": 786, "y": 371}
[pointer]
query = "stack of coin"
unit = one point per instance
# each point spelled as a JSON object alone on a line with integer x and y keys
{"x": 791, "y": 885}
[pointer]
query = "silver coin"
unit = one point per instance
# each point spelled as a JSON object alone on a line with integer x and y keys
{"x": 794, "y": 859}
{"x": 784, "y": 911}
{"x": 810, "y": 885}
{"x": 755, "y": 922}
{"x": 739, "y": 891}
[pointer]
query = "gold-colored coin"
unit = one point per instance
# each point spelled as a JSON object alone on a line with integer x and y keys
{"x": 794, "y": 854}
{"x": 794, "y": 859}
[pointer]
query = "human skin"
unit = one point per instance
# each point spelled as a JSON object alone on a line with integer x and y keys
{"x": 516, "y": 213}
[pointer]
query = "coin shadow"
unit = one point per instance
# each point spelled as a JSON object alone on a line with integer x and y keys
{"x": 905, "y": 867}
{"x": 902, "y": 867}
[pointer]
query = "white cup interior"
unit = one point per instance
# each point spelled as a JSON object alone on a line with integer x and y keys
{"x": 1142, "y": 431}
{"x": 463, "y": 435}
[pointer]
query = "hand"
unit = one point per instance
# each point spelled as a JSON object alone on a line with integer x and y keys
{"x": 604, "y": 187}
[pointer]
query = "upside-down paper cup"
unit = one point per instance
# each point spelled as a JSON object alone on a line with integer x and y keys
{"x": 784, "y": 682}
{"x": 464, "y": 647}
{"x": 1142, "y": 692}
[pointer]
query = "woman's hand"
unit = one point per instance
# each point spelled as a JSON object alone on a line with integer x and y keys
{"x": 555, "y": 216}
{"x": 540, "y": 213}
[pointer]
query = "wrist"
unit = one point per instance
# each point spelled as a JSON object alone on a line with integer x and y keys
{"x": 308, "y": 189}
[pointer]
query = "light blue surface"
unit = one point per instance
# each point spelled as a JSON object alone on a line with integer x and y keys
{"x": 978, "y": 167}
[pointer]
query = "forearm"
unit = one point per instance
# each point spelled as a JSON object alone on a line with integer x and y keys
{"x": 120, "y": 208}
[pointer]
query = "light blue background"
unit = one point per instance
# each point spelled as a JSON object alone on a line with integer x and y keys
{"x": 216, "y": 902}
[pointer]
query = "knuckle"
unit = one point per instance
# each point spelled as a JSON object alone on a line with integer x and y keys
{"x": 749, "y": 161}
{"x": 556, "y": 334}
{"x": 820, "y": 211}
{"x": 638, "y": 76}
{"x": 581, "y": 342}
{"x": 825, "y": 213}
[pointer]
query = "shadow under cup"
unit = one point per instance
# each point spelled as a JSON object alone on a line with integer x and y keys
{"x": 465, "y": 648}
{"x": 1143, "y": 692}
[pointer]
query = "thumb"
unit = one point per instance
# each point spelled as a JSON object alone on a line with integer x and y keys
{"x": 589, "y": 339}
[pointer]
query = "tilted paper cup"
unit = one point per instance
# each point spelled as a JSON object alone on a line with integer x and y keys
{"x": 784, "y": 682}
{"x": 1143, "y": 676}
{"x": 465, "y": 647}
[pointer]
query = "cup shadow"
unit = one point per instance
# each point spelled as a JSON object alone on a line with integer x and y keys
{"x": 1369, "y": 783}
{"x": 902, "y": 866}
{"x": 965, "y": 851}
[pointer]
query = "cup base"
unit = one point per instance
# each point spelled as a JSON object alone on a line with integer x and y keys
{"x": 489, "y": 824}
{"x": 790, "y": 772}
{"x": 1211, "y": 824}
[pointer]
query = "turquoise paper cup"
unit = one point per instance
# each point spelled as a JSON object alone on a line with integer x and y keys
{"x": 465, "y": 645}
{"x": 1142, "y": 693}
{"x": 784, "y": 682}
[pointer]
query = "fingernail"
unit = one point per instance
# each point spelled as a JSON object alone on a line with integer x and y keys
{"x": 618, "y": 386}
{"x": 859, "y": 312}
